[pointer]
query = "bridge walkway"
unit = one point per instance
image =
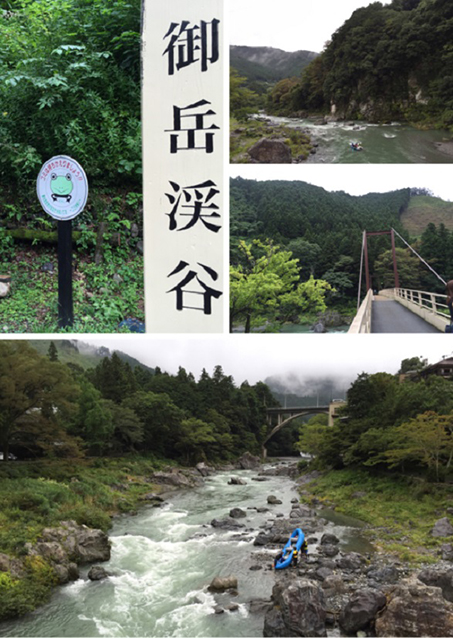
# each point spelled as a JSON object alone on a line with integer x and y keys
{"x": 390, "y": 316}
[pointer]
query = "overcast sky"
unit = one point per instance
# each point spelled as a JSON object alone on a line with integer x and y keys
{"x": 358, "y": 179}
{"x": 256, "y": 357}
{"x": 291, "y": 25}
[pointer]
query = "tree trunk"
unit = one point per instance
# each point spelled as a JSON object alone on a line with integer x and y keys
{"x": 247, "y": 323}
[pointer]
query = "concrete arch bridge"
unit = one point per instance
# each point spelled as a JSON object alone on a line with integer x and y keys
{"x": 283, "y": 416}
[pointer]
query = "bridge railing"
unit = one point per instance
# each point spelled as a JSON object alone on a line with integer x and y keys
{"x": 431, "y": 306}
{"x": 361, "y": 323}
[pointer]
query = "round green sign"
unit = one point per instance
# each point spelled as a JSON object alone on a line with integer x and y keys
{"x": 62, "y": 188}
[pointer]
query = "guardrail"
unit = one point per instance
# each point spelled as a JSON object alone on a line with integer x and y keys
{"x": 430, "y": 306}
{"x": 362, "y": 321}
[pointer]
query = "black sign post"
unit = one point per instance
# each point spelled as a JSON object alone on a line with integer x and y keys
{"x": 62, "y": 189}
{"x": 65, "y": 308}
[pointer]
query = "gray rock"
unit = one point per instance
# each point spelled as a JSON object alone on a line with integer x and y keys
{"x": 222, "y": 583}
{"x": 387, "y": 574}
{"x": 268, "y": 151}
{"x": 360, "y": 612}
{"x": 415, "y": 610}
{"x": 298, "y": 610}
{"x": 299, "y": 511}
{"x": 262, "y": 539}
{"x": 351, "y": 561}
{"x": 322, "y": 573}
{"x": 204, "y": 469}
{"x": 97, "y": 573}
{"x": 442, "y": 527}
{"x": 227, "y": 523}
{"x": 81, "y": 543}
{"x": 329, "y": 550}
{"x": 236, "y": 481}
{"x": 447, "y": 551}
{"x": 236, "y": 512}
{"x": 178, "y": 478}
{"x": 442, "y": 578}
{"x": 273, "y": 500}
{"x": 249, "y": 462}
{"x": 329, "y": 539}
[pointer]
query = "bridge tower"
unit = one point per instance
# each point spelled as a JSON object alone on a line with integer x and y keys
{"x": 365, "y": 247}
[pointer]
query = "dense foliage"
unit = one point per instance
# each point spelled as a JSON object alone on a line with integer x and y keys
{"x": 57, "y": 410}
{"x": 265, "y": 287}
{"x": 70, "y": 84}
{"x": 322, "y": 230}
{"x": 384, "y": 62}
{"x": 389, "y": 423}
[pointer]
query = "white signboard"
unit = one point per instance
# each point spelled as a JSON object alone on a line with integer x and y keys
{"x": 62, "y": 188}
{"x": 182, "y": 115}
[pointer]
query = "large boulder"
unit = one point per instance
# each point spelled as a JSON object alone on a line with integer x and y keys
{"x": 178, "y": 478}
{"x": 361, "y": 609}
{"x": 68, "y": 545}
{"x": 79, "y": 542}
{"x": 268, "y": 151}
{"x": 416, "y": 610}
{"x": 442, "y": 528}
{"x": 248, "y": 462}
{"x": 228, "y": 523}
{"x": 442, "y": 578}
{"x": 298, "y": 610}
{"x": 329, "y": 539}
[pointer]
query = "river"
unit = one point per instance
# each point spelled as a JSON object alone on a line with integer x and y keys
{"x": 382, "y": 143}
{"x": 163, "y": 560}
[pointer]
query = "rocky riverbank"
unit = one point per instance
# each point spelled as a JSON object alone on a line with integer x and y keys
{"x": 56, "y": 553}
{"x": 336, "y": 592}
{"x": 332, "y": 591}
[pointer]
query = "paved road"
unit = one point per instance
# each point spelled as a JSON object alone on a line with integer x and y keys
{"x": 391, "y": 316}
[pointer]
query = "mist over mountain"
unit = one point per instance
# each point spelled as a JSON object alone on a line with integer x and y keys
{"x": 297, "y": 390}
{"x": 265, "y": 66}
{"x": 83, "y": 354}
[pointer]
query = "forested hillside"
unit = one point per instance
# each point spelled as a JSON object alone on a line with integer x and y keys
{"x": 55, "y": 409}
{"x": 264, "y": 66}
{"x": 324, "y": 232}
{"x": 385, "y": 62}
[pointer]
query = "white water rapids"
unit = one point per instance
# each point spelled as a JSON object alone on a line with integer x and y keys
{"x": 163, "y": 560}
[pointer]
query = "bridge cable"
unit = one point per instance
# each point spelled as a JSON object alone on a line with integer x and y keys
{"x": 361, "y": 269}
{"x": 421, "y": 258}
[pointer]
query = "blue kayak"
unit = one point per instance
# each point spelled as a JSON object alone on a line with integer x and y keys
{"x": 287, "y": 552}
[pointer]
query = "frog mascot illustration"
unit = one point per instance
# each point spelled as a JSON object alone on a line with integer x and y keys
{"x": 61, "y": 186}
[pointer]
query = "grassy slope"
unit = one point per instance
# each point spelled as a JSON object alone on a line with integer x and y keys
{"x": 423, "y": 210}
{"x": 400, "y": 511}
